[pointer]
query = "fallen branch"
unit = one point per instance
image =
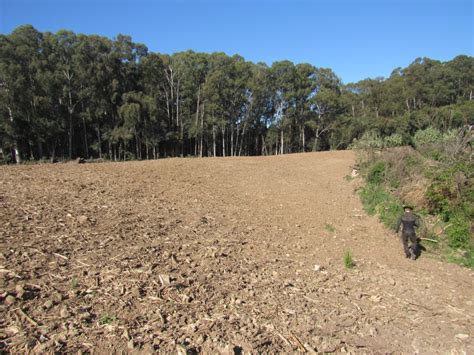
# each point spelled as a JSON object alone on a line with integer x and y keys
{"x": 298, "y": 342}
{"x": 27, "y": 317}
{"x": 61, "y": 256}
{"x": 83, "y": 264}
{"x": 431, "y": 240}
{"x": 284, "y": 339}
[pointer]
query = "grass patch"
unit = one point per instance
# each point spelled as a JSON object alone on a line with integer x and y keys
{"x": 376, "y": 173}
{"x": 329, "y": 227}
{"x": 74, "y": 283}
{"x": 377, "y": 200}
{"x": 348, "y": 260}
{"x": 106, "y": 319}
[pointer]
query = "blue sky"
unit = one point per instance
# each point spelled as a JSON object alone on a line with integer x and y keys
{"x": 357, "y": 39}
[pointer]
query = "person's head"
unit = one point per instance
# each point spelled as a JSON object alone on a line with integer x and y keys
{"x": 407, "y": 209}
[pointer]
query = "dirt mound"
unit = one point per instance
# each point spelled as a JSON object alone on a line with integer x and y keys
{"x": 218, "y": 255}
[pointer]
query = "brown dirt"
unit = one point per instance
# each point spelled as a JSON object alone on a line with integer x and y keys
{"x": 215, "y": 255}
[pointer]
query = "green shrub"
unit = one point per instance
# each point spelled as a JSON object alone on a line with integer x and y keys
{"x": 426, "y": 136}
{"x": 378, "y": 201}
{"x": 450, "y": 136}
{"x": 451, "y": 189}
{"x": 370, "y": 139}
{"x": 376, "y": 173}
{"x": 449, "y": 194}
{"x": 394, "y": 140}
{"x": 389, "y": 212}
{"x": 372, "y": 196}
{"x": 458, "y": 232}
{"x": 129, "y": 156}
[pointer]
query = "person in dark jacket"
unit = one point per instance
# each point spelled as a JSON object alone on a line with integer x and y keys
{"x": 409, "y": 221}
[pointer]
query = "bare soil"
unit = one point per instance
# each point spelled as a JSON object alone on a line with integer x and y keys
{"x": 222, "y": 255}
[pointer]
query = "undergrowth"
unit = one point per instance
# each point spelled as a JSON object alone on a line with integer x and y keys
{"x": 445, "y": 201}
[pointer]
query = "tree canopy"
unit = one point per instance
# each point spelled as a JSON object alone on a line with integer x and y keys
{"x": 69, "y": 95}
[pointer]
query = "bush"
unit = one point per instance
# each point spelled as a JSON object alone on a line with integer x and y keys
{"x": 444, "y": 187}
{"x": 389, "y": 212}
{"x": 451, "y": 189}
{"x": 369, "y": 140}
{"x": 426, "y": 136}
{"x": 372, "y": 196}
{"x": 129, "y": 156}
{"x": 376, "y": 200}
{"x": 376, "y": 173}
{"x": 458, "y": 232}
{"x": 450, "y": 136}
{"x": 395, "y": 140}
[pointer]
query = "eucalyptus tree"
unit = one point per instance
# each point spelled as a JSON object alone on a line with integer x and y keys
{"x": 153, "y": 83}
{"x": 63, "y": 94}
{"x": 225, "y": 95}
{"x": 326, "y": 104}
{"x": 283, "y": 77}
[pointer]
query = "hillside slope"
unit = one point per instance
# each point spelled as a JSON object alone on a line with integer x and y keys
{"x": 215, "y": 254}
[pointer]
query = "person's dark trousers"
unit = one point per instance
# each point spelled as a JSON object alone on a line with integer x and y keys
{"x": 414, "y": 244}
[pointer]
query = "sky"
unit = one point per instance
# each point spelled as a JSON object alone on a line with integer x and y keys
{"x": 357, "y": 39}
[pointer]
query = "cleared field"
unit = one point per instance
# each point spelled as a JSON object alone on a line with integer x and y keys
{"x": 223, "y": 254}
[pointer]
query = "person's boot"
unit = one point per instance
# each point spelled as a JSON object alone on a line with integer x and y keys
{"x": 412, "y": 254}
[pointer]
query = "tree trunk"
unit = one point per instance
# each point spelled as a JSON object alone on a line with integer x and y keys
{"x": 99, "y": 142}
{"x": 303, "y": 138}
{"x": 137, "y": 144}
{"x": 40, "y": 150}
{"x": 70, "y": 136}
{"x": 16, "y": 152}
{"x": 242, "y": 137}
{"x": 179, "y": 121}
{"x": 315, "y": 146}
{"x": 202, "y": 130}
{"x": 15, "y": 143}
{"x": 70, "y": 109}
{"x": 170, "y": 98}
{"x": 223, "y": 141}
{"x": 282, "y": 144}
{"x": 197, "y": 122}
{"x": 86, "y": 146}
{"x": 232, "y": 140}
{"x": 53, "y": 152}
{"x": 214, "y": 140}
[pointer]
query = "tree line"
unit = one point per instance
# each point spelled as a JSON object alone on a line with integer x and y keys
{"x": 67, "y": 95}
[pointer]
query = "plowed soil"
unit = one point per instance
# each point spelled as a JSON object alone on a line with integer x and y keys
{"x": 222, "y": 255}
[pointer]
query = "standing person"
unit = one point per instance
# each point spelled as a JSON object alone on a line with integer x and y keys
{"x": 409, "y": 222}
